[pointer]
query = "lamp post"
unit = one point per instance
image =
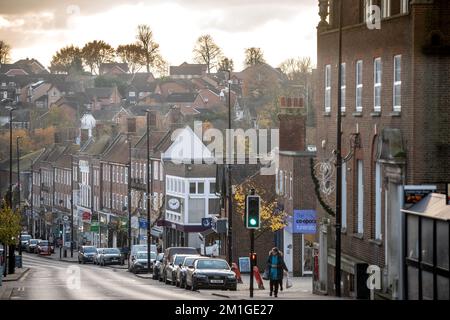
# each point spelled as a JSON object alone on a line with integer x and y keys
{"x": 18, "y": 185}
{"x": 229, "y": 185}
{"x": 12, "y": 247}
{"x": 129, "y": 195}
{"x": 151, "y": 121}
{"x": 337, "y": 269}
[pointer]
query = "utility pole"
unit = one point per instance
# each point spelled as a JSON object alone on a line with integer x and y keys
{"x": 150, "y": 121}
{"x": 230, "y": 188}
{"x": 12, "y": 264}
{"x": 71, "y": 205}
{"x": 129, "y": 196}
{"x": 337, "y": 269}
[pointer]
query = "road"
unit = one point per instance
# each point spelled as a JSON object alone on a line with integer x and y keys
{"x": 56, "y": 280}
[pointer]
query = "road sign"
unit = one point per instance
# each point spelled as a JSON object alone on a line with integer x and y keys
{"x": 206, "y": 222}
{"x": 66, "y": 218}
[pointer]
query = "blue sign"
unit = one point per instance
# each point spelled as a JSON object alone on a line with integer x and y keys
{"x": 304, "y": 221}
{"x": 143, "y": 224}
{"x": 206, "y": 222}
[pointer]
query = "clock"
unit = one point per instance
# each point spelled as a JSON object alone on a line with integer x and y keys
{"x": 174, "y": 204}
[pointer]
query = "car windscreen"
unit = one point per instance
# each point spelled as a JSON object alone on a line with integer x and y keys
{"x": 179, "y": 259}
{"x": 111, "y": 251}
{"x": 143, "y": 255}
{"x": 33, "y": 241}
{"x": 90, "y": 249}
{"x": 189, "y": 261}
{"x": 43, "y": 243}
{"x": 25, "y": 238}
{"x": 212, "y": 264}
{"x": 141, "y": 247}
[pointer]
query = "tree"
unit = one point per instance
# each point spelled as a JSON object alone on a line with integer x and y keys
{"x": 95, "y": 53}
{"x": 67, "y": 59}
{"x": 153, "y": 58}
{"x": 271, "y": 219}
{"x": 5, "y": 50}
{"x": 9, "y": 225}
{"x": 207, "y": 51}
{"x": 133, "y": 55}
{"x": 226, "y": 65}
{"x": 296, "y": 68}
{"x": 253, "y": 56}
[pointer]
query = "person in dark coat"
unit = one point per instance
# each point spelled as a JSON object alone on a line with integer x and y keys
{"x": 276, "y": 266}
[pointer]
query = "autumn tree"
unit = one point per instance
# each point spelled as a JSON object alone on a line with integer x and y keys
{"x": 5, "y": 51}
{"x": 9, "y": 225}
{"x": 95, "y": 53}
{"x": 133, "y": 55}
{"x": 271, "y": 219}
{"x": 206, "y": 51}
{"x": 226, "y": 65}
{"x": 67, "y": 59}
{"x": 153, "y": 58}
{"x": 253, "y": 56}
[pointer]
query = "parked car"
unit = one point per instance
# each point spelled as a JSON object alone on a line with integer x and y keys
{"x": 156, "y": 267}
{"x": 169, "y": 253}
{"x": 86, "y": 254}
{"x": 181, "y": 271}
{"x": 140, "y": 261}
{"x": 31, "y": 245}
{"x": 97, "y": 255}
{"x": 110, "y": 256}
{"x": 172, "y": 268}
{"x": 210, "y": 273}
{"x": 44, "y": 248}
{"x": 138, "y": 248}
{"x": 24, "y": 238}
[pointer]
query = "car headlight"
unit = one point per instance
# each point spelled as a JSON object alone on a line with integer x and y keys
{"x": 231, "y": 277}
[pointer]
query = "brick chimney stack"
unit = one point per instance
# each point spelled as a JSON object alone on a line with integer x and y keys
{"x": 292, "y": 118}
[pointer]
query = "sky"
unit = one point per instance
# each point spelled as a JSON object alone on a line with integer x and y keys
{"x": 281, "y": 28}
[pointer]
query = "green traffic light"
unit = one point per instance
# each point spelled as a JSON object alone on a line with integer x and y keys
{"x": 253, "y": 222}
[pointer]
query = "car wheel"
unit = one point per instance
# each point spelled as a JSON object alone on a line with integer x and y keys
{"x": 174, "y": 280}
{"x": 182, "y": 284}
{"x": 79, "y": 261}
{"x": 165, "y": 279}
{"x": 193, "y": 287}
{"x": 84, "y": 262}
{"x": 233, "y": 288}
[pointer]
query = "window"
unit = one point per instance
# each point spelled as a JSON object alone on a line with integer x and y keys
{"x": 377, "y": 85}
{"x": 281, "y": 184}
{"x": 277, "y": 189}
{"x": 132, "y": 94}
{"x": 155, "y": 170}
{"x": 196, "y": 187}
{"x": 404, "y": 6}
{"x": 397, "y": 83}
{"x": 161, "y": 170}
{"x": 200, "y": 188}
{"x": 386, "y": 8}
{"x": 359, "y": 85}
{"x": 344, "y": 196}
{"x": 378, "y": 201}
{"x": 212, "y": 187}
{"x": 360, "y": 222}
{"x": 343, "y": 87}
{"x": 155, "y": 200}
{"x": 291, "y": 185}
{"x": 367, "y": 9}
{"x": 192, "y": 187}
{"x": 328, "y": 88}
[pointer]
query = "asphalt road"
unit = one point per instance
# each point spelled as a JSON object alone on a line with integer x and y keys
{"x": 55, "y": 280}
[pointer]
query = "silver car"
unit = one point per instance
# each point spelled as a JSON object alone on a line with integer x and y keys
{"x": 110, "y": 256}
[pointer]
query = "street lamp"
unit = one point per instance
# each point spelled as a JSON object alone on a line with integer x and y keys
{"x": 229, "y": 188}
{"x": 129, "y": 193}
{"x": 18, "y": 184}
{"x": 151, "y": 121}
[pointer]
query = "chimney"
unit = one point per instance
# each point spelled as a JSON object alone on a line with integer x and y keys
{"x": 292, "y": 118}
{"x": 131, "y": 125}
{"x": 84, "y": 136}
{"x": 99, "y": 128}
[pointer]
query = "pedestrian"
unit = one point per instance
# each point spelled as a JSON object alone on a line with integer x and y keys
{"x": 282, "y": 274}
{"x": 275, "y": 265}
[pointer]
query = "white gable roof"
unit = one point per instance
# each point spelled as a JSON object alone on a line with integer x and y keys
{"x": 187, "y": 147}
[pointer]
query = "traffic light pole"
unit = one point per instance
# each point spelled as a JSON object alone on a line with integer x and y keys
{"x": 252, "y": 250}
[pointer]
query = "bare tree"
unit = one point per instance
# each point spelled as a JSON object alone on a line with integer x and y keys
{"x": 207, "y": 51}
{"x": 66, "y": 59}
{"x": 133, "y": 55}
{"x": 296, "y": 68}
{"x": 254, "y": 56}
{"x": 97, "y": 52}
{"x": 5, "y": 50}
{"x": 151, "y": 48}
{"x": 226, "y": 65}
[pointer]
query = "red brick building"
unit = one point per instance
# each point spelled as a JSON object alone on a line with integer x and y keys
{"x": 395, "y": 117}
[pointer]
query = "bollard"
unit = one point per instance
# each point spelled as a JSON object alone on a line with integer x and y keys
{"x": 258, "y": 278}
{"x": 235, "y": 269}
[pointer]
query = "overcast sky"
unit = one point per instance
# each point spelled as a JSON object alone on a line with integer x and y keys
{"x": 282, "y": 28}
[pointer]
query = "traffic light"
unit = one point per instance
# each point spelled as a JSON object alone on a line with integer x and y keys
{"x": 252, "y": 216}
{"x": 60, "y": 230}
{"x": 253, "y": 259}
